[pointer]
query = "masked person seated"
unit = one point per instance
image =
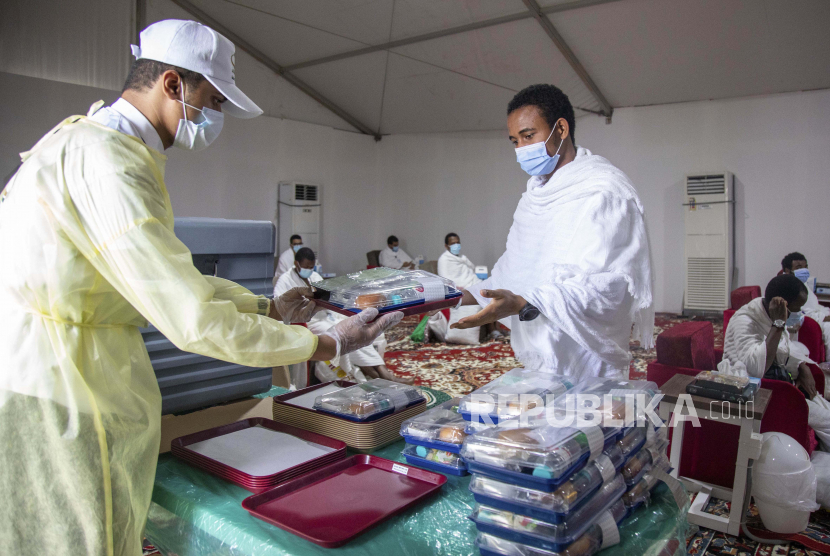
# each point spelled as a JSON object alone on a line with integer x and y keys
{"x": 395, "y": 257}
{"x": 796, "y": 264}
{"x": 757, "y": 338}
{"x": 286, "y": 260}
{"x": 365, "y": 362}
{"x": 457, "y": 267}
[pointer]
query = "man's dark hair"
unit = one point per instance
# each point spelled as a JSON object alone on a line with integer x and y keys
{"x": 144, "y": 74}
{"x": 304, "y": 254}
{"x": 786, "y": 286}
{"x": 787, "y": 262}
{"x": 391, "y": 239}
{"x": 448, "y": 236}
{"x": 295, "y": 236}
{"x": 551, "y": 102}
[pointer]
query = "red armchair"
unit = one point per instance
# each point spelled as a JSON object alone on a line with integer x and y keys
{"x": 787, "y": 411}
{"x": 744, "y": 295}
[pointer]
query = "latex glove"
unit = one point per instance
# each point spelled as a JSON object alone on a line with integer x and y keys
{"x": 295, "y": 305}
{"x": 354, "y": 332}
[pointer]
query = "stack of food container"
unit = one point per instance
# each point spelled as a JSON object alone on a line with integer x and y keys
{"x": 546, "y": 484}
{"x": 434, "y": 439}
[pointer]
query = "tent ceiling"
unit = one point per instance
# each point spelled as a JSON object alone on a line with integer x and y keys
{"x": 638, "y": 52}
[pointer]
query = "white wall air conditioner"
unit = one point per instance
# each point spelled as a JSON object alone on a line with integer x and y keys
{"x": 299, "y": 207}
{"x": 709, "y": 241}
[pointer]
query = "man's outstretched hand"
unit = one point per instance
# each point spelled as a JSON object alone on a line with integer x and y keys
{"x": 505, "y": 303}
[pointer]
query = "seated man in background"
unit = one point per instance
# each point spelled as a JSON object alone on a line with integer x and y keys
{"x": 458, "y": 268}
{"x": 368, "y": 359}
{"x": 395, "y": 257}
{"x": 757, "y": 336}
{"x": 286, "y": 261}
{"x": 796, "y": 264}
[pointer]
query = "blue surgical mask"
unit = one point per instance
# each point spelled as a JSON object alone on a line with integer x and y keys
{"x": 395, "y": 249}
{"x": 197, "y": 135}
{"x": 795, "y": 319}
{"x": 802, "y": 274}
{"x": 455, "y": 248}
{"x": 535, "y": 160}
{"x": 305, "y": 273}
{"x": 297, "y": 247}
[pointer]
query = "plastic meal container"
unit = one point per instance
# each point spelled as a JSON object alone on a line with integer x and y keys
{"x": 503, "y": 398}
{"x": 369, "y": 401}
{"x": 441, "y": 428}
{"x": 435, "y": 460}
{"x": 539, "y": 456}
{"x": 386, "y": 290}
{"x": 555, "y": 537}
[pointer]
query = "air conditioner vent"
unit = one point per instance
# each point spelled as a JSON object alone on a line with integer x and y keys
{"x": 706, "y": 185}
{"x": 706, "y": 283}
{"x": 305, "y": 192}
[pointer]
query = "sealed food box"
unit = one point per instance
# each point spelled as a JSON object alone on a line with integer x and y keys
{"x": 441, "y": 428}
{"x": 641, "y": 462}
{"x": 370, "y": 400}
{"x": 386, "y": 289}
{"x": 640, "y": 493}
{"x": 553, "y": 507}
{"x": 510, "y": 395}
{"x": 621, "y": 402}
{"x": 540, "y": 455}
{"x": 555, "y": 537}
{"x": 441, "y": 461}
{"x": 712, "y": 384}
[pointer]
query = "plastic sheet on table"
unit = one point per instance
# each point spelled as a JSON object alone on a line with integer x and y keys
{"x": 196, "y": 514}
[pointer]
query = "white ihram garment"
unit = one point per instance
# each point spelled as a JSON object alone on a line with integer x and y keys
{"x": 818, "y": 313}
{"x": 578, "y": 251}
{"x": 390, "y": 259}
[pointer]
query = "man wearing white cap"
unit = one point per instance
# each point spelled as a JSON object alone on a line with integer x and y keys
{"x": 86, "y": 236}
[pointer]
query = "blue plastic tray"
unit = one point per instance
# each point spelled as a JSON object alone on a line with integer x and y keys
{"x": 528, "y": 480}
{"x": 446, "y": 446}
{"x": 433, "y": 466}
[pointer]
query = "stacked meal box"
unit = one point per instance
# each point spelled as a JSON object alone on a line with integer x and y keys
{"x": 546, "y": 484}
{"x": 434, "y": 439}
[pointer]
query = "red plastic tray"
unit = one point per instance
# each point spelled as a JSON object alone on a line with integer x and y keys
{"x": 336, "y": 503}
{"x": 180, "y": 450}
{"x": 413, "y": 310}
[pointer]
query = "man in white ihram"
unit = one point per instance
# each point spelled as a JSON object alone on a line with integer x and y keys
{"x": 395, "y": 257}
{"x": 89, "y": 256}
{"x": 576, "y": 272}
{"x": 286, "y": 260}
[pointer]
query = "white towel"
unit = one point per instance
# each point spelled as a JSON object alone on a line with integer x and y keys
{"x": 578, "y": 251}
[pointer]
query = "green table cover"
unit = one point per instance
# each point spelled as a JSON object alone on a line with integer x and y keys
{"x": 195, "y": 513}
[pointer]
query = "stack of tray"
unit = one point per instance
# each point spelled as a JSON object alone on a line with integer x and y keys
{"x": 258, "y": 454}
{"x": 295, "y": 409}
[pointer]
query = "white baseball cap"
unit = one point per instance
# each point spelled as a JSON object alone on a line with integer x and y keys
{"x": 196, "y": 47}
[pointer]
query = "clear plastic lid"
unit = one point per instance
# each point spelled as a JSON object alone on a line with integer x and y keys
{"x": 618, "y": 402}
{"x": 655, "y": 436}
{"x": 540, "y": 449}
{"x": 640, "y": 462}
{"x": 441, "y": 457}
{"x": 385, "y": 287}
{"x": 562, "y": 500}
{"x": 633, "y": 439}
{"x": 442, "y": 423}
{"x": 736, "y": 382}
{"x": 555, "y": 533}
{"x": 363, "y": 401}
{"x": 473, "y": 427}
{"x": 513, "y": 393}
{"x": 641, "y": 492}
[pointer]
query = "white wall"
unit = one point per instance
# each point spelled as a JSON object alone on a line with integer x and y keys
{"x": 777, "y": 146}
{"x": 420, "y": 187}
{"x": 237, "y": 176}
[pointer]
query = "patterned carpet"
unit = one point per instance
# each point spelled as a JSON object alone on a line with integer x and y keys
{"x": 458, "y": 370}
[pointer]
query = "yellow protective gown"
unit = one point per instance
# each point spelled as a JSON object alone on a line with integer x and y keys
{"x": 88, "y": 256}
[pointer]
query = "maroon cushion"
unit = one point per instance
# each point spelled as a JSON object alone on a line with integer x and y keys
{"x": 810, "y": 335}
{"x": 689, "y": 345}
{"x": 744, "y": 295}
